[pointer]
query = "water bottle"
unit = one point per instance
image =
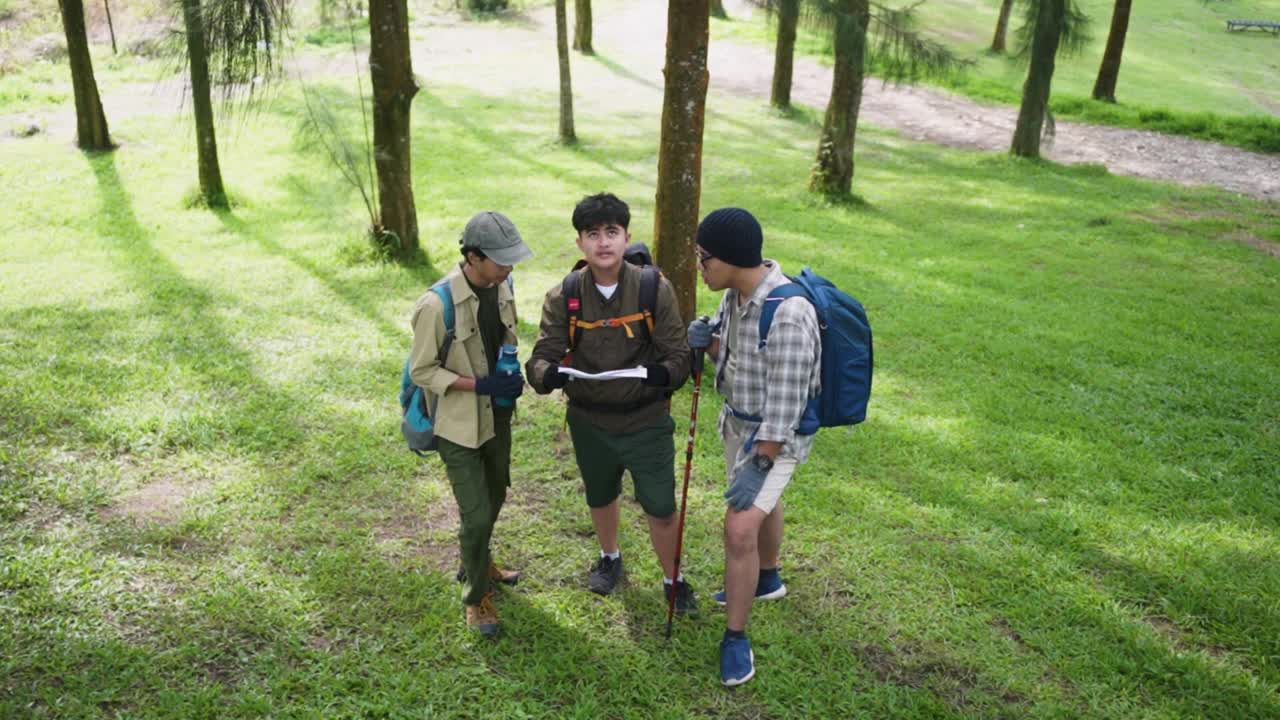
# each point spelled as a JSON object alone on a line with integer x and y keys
{"x": 507, "y": 365}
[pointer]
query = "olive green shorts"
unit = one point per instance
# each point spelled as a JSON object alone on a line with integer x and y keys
{"x": 648, "y": 454}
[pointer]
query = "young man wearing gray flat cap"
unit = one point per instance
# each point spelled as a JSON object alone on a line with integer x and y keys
{"x": 765, "y": 392}
{"x": 473, "y": 427}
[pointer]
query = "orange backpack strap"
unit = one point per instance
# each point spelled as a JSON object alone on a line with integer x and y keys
{"x": 571, "y": 291}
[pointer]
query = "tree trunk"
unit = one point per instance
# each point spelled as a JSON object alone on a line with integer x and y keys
{"x": 717, "y": 10}
{"x": 1035, "y": 91}
{"x": 1002, "y": 26}
{"x": 1109, "y": 72}
{"x": 833, "y": 169}
{"x": 111, "y": 27}
{"x": 566, "y": 85}
{"x": 391, "y": 70}
{"x": 582, "y": 27}
{"x": 202, "y": 103}
{"x": 684, "y": 99}
{"x": 91, "y": 121}
{"x": 784, "y": 55}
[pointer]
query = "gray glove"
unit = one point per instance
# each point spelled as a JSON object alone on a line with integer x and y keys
{"x": 745, "y": 487}
{"x": 700, "y": 334}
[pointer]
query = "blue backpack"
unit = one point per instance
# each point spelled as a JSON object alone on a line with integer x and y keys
{"x": 846, "y": 350}
{"x": 415, "y": 424}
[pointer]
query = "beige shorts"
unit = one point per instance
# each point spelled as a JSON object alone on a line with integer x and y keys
{"x": 734, "y": 433}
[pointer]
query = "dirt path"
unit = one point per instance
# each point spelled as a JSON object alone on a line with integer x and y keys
{"x": 932, "y": 116}
{"x": 635, "y": 35}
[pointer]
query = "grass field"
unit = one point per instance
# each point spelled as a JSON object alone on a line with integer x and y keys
{"x": 1063, "y": 504}
{"x": 1182, "y": 71}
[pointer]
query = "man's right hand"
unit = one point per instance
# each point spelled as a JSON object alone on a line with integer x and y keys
{"x": 553, "y": 379}
{"x": 500, "y": 385}
{"x": 700, "y": 334}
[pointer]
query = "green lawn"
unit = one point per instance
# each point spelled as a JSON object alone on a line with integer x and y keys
{"x": 1179, "y": 60}
{"x": 1064, "y": 502}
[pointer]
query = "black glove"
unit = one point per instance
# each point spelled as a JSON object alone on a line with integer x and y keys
{"x": 658, "y": 376}
{"x": 553, "y": 379}
{"x": 500, "y": 385}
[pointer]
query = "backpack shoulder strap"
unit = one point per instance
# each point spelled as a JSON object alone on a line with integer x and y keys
{"x": 446, "y": 300}
{"x": 650, "y": 278}
{"x": 771, "y": 303}
{"x": 571, "y": 293}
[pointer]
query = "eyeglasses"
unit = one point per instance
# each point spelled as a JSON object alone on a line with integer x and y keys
{"x": 703, "y": 257}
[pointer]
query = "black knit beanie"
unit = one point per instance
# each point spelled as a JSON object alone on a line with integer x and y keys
{"x": 733, "y": 236}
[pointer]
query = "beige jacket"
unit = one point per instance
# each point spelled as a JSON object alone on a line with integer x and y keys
{"x": 461, "y": 416}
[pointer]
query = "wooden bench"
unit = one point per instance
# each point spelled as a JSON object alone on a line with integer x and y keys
{"x": 1264, "y": 25}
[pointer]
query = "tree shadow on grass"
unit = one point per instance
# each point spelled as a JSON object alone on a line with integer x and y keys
{"x": 350, "y": 294}
{"x": 190, "y": 334}
{"x": 1057, "y": 534}
{"x": 499, "y": 144}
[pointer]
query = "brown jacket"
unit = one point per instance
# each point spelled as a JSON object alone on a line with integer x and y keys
{"x": 461, "y": 416}
{"x": 616, "y": 406}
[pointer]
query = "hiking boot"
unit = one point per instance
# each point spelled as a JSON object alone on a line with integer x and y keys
{"x": 483, "y": 618}
{"x": 686, "y": 603}
{"x": 768, "y": 587}
{"x": 496, "y": 574}
{"x": 506, "y": 577}
{"x": 737, "y": 662}
{"x": 605, "y": 575}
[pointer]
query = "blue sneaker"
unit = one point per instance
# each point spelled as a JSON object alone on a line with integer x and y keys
{"x": 737, "y": 662}
{"x": 768, "y": 587}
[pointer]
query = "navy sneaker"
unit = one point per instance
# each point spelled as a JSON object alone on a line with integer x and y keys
{"x": 737, "y": 662}
{"x": 768, "y": 587}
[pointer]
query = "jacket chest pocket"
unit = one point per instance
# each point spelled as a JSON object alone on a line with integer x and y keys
{"x": 468, "y": 347}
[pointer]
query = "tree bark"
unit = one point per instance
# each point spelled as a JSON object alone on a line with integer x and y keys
{"x": 566, "y": 85}
{"x": 1035, "y": 91}
{"x": 394, "y": 87}
{"x": 111, "y": 27}
{"x": 1002, "y": 26}
{"x": 833, "y": 168}
{"x": 582, "y": 27}
{"x": 717, "y": 10}
{"x": 91, "y": 121}
{"x": 684, "y": 98}
{"x": 202, "y": 103}
{"x": 784, "y": 54}
{"x": 1109, "y": 71}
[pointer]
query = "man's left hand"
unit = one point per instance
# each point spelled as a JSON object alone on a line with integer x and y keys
{"x": 657, "y": 375}
{"x": 745, "y": 487}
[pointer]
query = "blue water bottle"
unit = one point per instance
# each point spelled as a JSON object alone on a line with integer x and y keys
{"x": 507, "y": 365}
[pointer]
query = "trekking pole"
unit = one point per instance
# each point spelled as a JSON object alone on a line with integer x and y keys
{"x": 684, "y": 492}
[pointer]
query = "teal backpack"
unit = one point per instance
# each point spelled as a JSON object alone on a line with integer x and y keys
{"x": 415, "y": 423}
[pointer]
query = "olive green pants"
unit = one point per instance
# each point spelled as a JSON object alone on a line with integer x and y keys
{"x": 480, "y": 478}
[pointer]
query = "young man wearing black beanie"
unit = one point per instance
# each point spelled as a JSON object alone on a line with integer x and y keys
{"x": 620, "y": 423}
{"x": 765, "y": 392}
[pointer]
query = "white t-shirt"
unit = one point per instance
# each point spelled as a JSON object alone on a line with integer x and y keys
{"x": 607, "y": 290}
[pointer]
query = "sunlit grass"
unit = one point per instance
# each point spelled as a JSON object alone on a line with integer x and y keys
{"x": 1063, "y": 503}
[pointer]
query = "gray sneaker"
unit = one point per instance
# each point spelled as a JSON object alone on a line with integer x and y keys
{"x": 605, "y": 575}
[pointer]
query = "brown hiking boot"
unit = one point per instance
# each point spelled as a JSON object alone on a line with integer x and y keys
{"x": 506, "y": 577}
{"x": 496, "y": 574}
{"x": 483, "y": 618}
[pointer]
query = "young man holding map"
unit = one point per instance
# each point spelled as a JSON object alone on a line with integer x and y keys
{"x": 598, "y": 320}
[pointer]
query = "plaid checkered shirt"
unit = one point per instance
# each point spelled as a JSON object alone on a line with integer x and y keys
{"x": 776, "y": 382}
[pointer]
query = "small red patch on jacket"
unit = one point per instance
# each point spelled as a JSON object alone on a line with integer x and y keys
{"x": 575, "y": 304}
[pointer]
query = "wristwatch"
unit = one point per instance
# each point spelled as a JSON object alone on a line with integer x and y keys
{"x": 763, "y": 463}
